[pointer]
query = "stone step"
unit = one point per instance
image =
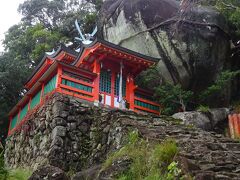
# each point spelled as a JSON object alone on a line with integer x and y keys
{"x": 202, "y": 175}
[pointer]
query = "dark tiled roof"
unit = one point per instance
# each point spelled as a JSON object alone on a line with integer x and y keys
{"x": 60, "y": 49}
{"x": 78, "y": 55}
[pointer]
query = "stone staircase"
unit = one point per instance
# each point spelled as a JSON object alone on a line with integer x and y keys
{"x": 206, "y": 155}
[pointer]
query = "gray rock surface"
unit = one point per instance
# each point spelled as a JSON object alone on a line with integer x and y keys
{"x": 49, "y": 173}
{"x": 208, "y": 121}
{"x": 192, "y": 49}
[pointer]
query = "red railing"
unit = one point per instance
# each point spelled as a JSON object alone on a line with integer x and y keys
{"x": 234, "y": 125}
{"x": 30, "y": 113}
{"x": 73, "y": 91}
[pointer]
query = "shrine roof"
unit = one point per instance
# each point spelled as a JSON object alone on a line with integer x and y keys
{"x": 76, "y": 56}
{"x": 127, "y": 50}
{"x": 51, "y": 57}
{"x": 115, "y": 47}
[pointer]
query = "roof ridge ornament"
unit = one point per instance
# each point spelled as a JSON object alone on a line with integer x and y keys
{"x": 86, "y": 38}
{"x": 51, "y": 53}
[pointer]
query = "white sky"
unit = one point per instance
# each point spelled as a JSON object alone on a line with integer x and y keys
{"x": 8, "y": 16}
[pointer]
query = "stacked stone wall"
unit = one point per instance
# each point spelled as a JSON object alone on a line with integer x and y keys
{"x": 71, "y": 134}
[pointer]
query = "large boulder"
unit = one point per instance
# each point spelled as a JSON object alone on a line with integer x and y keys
{"x": 212, "y": 120}
{"x": 192, "y": 49}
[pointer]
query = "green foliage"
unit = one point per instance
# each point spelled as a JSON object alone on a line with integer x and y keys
{"x": 173, "y": 171}
{"x": 150, "y": 78}
{"x": 3, "y": 170}
{"x": 45, "y": 24}
{"x": 224, "y": 78}
{"x": 231, "y": 10}
{"x": 172, "y": 97}
{"x": 71, "y": 172}
{"x": 19, "y": 174}
{"x": 28, "y": 44}
{"x": 202, "y": 108}
{"x": 148, "y": 161}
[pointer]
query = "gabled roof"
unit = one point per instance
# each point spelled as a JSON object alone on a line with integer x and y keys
{"x": 100, "y": 50}
{"x": 76, "y": 56}
{"x": 116, "y": 47}
{"x": 120, "y": 48}
{"x": 62, "y": 49}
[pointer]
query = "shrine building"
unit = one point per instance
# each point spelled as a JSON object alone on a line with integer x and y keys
{"x": 100, "y": 72}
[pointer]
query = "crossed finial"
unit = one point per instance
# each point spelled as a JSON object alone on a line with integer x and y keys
{"x": 86, "y": 38}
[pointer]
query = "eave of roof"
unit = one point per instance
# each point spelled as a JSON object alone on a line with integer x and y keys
{"x": 120, "y": 48}
{"x": 33, "y": 89}
{"x": 61, "y": 48}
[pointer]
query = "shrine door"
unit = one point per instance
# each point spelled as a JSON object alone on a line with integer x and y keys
{"x": 109, "y": 88}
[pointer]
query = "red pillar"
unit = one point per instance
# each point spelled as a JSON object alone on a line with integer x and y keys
{"x": 238, "y": 124}
{"x": 59, "y": 77}
{"x": 19, "y": 111}
{"x": 42, "y": 94}
{"x": 235, "y": 125}
{"x": 29, "y": 103}
{"x": 231, "y": 126}
{"x": 9, "y": 126}
{"x": 97, "y": 70}
{"x": 130, "y": 92}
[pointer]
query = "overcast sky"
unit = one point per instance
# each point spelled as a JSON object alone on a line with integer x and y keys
{"x": 8, "y": 16}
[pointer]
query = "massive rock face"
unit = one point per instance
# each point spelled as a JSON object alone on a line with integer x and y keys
{"x": 192, "y": 49}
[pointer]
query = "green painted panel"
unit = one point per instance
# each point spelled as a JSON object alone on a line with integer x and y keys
{"x": 23, "y": 112}
{"x": 50, "y": 86}
{"x": 105, "y": 81}
{"x": 35, "y": 100}
{"x": 139, "y": 95}
{"x": 76, "y": 85}
{"x": 146, "y": 105}
{"x": 14, "y": 122}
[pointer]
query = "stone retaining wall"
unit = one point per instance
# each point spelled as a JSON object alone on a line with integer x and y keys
{"x": 68, "y": 133}
{"x": 72, "y": 134}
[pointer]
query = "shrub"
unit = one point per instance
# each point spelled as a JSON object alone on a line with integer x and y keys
{"x": 19, "y": 174}
{"x": 147, "y": 161}
{"x": 3, "y": 170}
{"x": 204, "y": 109}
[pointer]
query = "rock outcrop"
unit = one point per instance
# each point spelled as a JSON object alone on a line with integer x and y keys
{"x": 211, "y": 120}
{"x": 192, "y": 49}
{"x": 71, "y": 134}
{"x": 49, "y": 173}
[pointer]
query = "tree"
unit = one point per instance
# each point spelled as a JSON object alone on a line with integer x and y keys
{"x": 231, "y": 10}
{"x": 216, "y": 88}
{"x": 45, "y": 24}
{"x": 61, "y": 14}
{"x": 173, "y": 98}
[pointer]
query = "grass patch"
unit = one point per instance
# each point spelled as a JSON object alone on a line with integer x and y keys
{"x": 204, "y": 109}
{"x": 3, "y": 170}
{"x": 19, "y": 174}
{"x": 148, "y": 161}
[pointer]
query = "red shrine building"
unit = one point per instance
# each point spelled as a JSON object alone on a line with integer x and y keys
{"x": 101, "y": 73}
